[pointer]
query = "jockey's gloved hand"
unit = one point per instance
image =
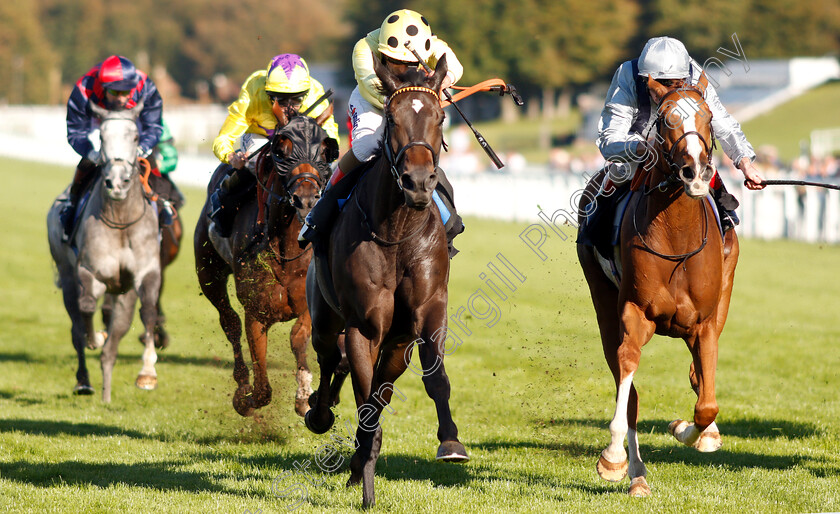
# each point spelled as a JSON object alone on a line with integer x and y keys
{"x": 144, "y": 152}
{"x": 93, "y": 156}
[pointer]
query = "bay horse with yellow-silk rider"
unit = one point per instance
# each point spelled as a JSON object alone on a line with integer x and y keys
{"x": 677, "y": 273}
{"x": 389, "y": 268}
{"x": 270, "y": 275}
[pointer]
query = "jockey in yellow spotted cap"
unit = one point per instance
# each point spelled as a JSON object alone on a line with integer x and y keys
{"x": 388, "y": 45}
{"x": 267, "y": 100}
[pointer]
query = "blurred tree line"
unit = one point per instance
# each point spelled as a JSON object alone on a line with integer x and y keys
{"x": 548, "y": 48}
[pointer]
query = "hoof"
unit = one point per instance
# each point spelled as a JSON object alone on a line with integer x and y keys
{"x": 302, "y": 406}
{"x": 83, "y": 390}
{"x": 146, "y": 382}
{"x": 709, "y": 442}
{"x": 677, "y": 424}
{"x": 609, "y": 471}
{"x": 307, "y": 419}
{"x": 99, "y": 339}
{"x": 243, "y": 400}
{"x": 639, "y": 488}
{"x": 452, "y": 451}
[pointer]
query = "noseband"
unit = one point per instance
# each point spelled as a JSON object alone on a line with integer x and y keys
{"x": 393, "y": 160}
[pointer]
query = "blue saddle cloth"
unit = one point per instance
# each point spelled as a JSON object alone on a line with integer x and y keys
{"x": 444, "y": 212}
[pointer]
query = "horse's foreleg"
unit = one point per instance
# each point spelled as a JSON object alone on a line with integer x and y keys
{"x": 433, "y": 333}
{"x": 148, "y": 292}
{"x": 634, "y": 332}
{"x": 361, "y": 355}
{"x": 704, "y": 353}
{"x": 299, "y": 336}
{"x": 391, "y": 365}
{"x": 121, "y": 315}
{"x": 710, "y": 439}
{"x": 257, "y": 334}
{"x": 90, "y": 290}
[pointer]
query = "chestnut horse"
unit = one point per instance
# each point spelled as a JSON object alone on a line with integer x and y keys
{"x": 269, "y": 275}
{"x": 389, "y": 269}
{"x": 677, "y": 276}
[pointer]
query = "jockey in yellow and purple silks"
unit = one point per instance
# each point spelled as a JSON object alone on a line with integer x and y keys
{"x": 365, "y": 111}
{"x": 267, "y": 100}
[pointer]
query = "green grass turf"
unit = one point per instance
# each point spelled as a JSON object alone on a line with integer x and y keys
{"x": 532, "y": 396}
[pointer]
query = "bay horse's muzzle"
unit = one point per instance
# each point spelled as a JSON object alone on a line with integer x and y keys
{"x": 418, "y": 186}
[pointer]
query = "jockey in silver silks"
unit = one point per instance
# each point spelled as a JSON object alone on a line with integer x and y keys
{"x": 628, "y": 114}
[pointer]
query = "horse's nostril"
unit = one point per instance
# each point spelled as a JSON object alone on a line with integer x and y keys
{"x": 407, "y": 183}
{"x": 687, "y": 172}
{"x": 109, "y": 184}
{"x": 296, "y": 201}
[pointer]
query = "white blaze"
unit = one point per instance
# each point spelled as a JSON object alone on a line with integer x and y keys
{"x": 417, "y": 105}
{"x": 688, "y": 109}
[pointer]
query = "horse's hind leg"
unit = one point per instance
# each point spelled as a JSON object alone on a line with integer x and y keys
{"x": 435, "y": 379}
{"x": 299, "y": 337}
{"x": 326, "y": 326}
{"x": 149, "y": 289}
{"x": 77, "y": 333}
{"x": 123, "y": 311}
{"x": 213, "y": 273}
{"x": 169, "y": 247}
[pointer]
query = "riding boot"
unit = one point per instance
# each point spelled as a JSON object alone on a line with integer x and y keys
{"x": 726, "y": 204}
{"x": 453, "y": 224}
{"x": 319, "y": 221}
{"x": 226, "y": 200}
{"x": 85, "y": 171}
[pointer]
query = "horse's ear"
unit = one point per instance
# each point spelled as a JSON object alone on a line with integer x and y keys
{"x": 137, "y": 109}
{"x": 439, "y": 74}
{"x": 657, "y": 90}
{"x": 388, "y": 79}
{"x": 98, "y": 111}
{"x": 703, "y": 83}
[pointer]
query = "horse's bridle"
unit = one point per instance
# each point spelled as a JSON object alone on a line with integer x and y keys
{"x": 669, "y": 157}
{"x": 394, "y": 160}
{"x": 282, "y": 168}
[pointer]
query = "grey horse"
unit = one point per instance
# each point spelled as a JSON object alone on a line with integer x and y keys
{"x": 114, "y": 251}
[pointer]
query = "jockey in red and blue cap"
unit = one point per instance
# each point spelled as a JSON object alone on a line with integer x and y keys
{"x": 113, "y": 84}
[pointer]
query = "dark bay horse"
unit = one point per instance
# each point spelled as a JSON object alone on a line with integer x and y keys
{"x": 118, "y": 255}
{"x": 677, "y": 277}
{"x": 270, "y": 276}
{"x": 389, "y": 265}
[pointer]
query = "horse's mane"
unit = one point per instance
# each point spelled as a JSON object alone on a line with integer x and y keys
{"x": 410, "y": 77}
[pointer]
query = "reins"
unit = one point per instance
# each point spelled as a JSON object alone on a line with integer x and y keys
{"x": 672, "y": 178}
{"x": 384, "y": 242}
